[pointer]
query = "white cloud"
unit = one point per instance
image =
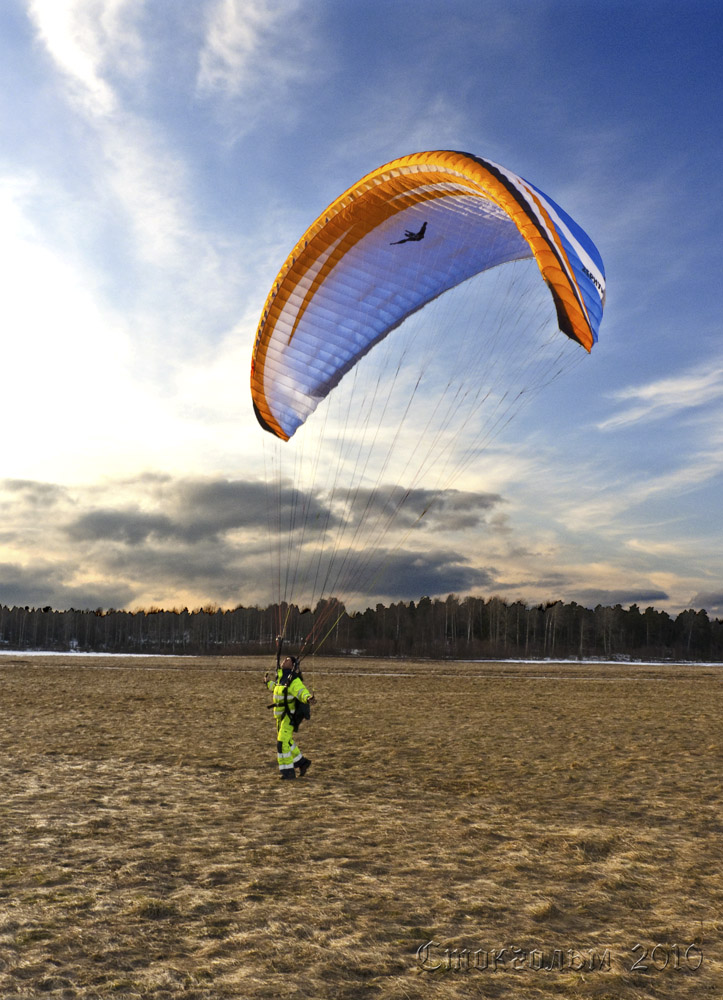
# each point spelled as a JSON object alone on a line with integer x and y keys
{"x": 92, "y": 41}
{"x": 674, "y": 548}
{"x": 150, "y": 185}
{"x": 668, "y": 396}
{"x": 591, "y": 501}
{"x": 241, "y": 45}
{"x": 176, "y": 275}
{"x": 82, "y": 36}
{"x": 65, "y": 359}
{"x": 74, "y": 391}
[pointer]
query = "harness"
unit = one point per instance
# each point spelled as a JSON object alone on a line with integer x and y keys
{"x": 301, "y": 711}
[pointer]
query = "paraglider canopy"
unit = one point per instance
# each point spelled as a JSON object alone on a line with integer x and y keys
{"x": 403, "y": 235}
{"x": 369, "y": 496}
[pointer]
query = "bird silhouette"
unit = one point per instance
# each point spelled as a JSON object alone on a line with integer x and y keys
{"x": 411, "y": 237}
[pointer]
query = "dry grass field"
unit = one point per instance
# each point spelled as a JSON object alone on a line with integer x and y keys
{"x": 560, "y": 826}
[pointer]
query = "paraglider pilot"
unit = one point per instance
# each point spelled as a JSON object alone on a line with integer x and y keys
{"x": 291, "y": 699}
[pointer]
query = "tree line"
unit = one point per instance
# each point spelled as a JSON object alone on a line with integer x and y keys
{"x": 457, "y": 628}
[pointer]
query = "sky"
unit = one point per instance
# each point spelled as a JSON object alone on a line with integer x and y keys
{"x": 159, "y": 160}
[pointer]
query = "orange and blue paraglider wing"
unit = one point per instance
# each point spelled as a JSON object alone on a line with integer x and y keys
{"x": 403, "y": 235}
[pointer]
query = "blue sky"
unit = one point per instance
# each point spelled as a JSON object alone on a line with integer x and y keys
{"x": 158, "y": 161}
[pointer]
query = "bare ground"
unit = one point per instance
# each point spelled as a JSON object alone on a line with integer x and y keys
{"x": 554, "y": 830}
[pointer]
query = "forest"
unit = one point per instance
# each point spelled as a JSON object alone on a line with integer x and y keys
{"x": 454, "y": 628}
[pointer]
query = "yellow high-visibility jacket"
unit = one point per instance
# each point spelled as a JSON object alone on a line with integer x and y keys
{"x": 296, "y": 690}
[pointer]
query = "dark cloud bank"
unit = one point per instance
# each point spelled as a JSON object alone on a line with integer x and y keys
{"x": 113, "y": 546}
{"x": 150, "y": 539}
